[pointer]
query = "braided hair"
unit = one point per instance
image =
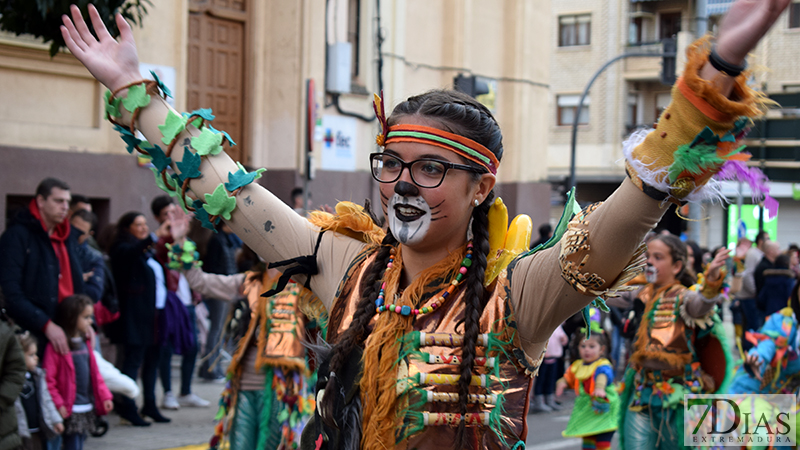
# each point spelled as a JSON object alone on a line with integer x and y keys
{"x": 460, "y": 114}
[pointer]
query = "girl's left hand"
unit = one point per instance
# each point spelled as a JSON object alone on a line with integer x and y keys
{"x": 108, "y": 405}
{"x": 63, "y": 411}
{"x": 598, "y": 392}
{"x": 717, "y": 263}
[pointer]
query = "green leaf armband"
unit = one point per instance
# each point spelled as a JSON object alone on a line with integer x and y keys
{"x": 183, "y": 257}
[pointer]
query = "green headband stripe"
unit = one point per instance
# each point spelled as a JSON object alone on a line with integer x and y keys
{"x": 443, "y": 140}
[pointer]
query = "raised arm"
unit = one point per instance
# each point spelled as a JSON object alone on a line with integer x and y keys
{"x": 266, "y": 224}
{"x": 705, "y": 119}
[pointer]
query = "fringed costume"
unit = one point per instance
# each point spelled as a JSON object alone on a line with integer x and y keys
{"x": 268, "y": 397}
{"x": 675, "y": 352}
{"x": 399, "y": 389}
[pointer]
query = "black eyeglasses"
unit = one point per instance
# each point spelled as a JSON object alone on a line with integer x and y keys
{"x": 425, "y": 173}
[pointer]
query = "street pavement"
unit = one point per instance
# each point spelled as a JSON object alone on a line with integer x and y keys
{"x": 189, "y": 427}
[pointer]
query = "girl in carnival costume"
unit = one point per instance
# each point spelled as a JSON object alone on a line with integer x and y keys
{"x": 268, "y": 398}
{"x": 594, "y": 416}
{"x": 679, "y": 347}
{"x": 438, "y": 326}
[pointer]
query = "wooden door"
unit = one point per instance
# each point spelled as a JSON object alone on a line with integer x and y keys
{"x": 216, "y": 66}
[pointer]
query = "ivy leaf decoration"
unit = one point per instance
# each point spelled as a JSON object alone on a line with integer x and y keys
{"x": 137, "y": 98}
{"x": 160, "y": 181}
{"x": 112, "y": 105}
{"x": 224, "y": 133}
{"x": 219, "y": 204}
{"x": 172, "y": 127}
{"x": 161, "y": 85}
{"x": 189, "y": 165}
{"x": 208, "y": 143}
{"x": 205, "y": 113}
{"x": 201, "y": 215}
{"x": 158, "y": 158}
{"x": 241, "y": 178}
{"x": 196, "y": 122}
{"x": 131, "y": 141}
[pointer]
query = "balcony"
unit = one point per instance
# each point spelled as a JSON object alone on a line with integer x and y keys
{"x": 642, "y": 68}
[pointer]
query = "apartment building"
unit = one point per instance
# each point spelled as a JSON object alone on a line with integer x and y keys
{"x": 630, "y": 95}
{"x": 283, "y": 77}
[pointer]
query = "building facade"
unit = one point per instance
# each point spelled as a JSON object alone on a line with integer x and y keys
{"x": 630, "y": 95}
{"x": 283, "y": 77}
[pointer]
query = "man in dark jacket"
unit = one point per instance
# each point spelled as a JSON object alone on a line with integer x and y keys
{"x": 39, "y": 265}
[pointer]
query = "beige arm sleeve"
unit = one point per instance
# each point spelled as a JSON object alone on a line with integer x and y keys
{"x": 223, "y": 287}
{"x": 266, "y": 224}
{"x": 540, "y": 296}
{"x": 600, "y": 382}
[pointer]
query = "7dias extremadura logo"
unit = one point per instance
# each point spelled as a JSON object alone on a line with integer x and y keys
{"x": 737, "y": 420}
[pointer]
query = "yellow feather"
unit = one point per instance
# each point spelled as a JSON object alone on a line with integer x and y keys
{"x": 498, "y": 224}
{"x": 518, "y": 238}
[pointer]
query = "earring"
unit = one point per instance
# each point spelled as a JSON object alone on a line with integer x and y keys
{"x": 476, "y": 202}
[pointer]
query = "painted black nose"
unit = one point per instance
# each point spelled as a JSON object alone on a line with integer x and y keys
{"x": 406, "y": 189}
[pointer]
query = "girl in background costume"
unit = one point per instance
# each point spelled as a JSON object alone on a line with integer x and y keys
{"x": 268, "y": 399}
{"x": 679, "y": 348}
{"x": 438, "y": 322}
{"x": 594, "y": 415}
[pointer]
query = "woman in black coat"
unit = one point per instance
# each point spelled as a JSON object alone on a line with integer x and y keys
{"x": 140, "y": 283}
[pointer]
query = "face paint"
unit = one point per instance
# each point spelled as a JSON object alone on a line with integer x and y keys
{"x": 409, "y": 218}
{"x": 651, "y": 274}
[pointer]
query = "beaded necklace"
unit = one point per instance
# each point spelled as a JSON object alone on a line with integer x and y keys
{"x": 407, "y": 310}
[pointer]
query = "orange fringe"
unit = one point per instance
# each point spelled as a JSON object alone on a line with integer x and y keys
{"x": 749, "y": 103}
{"x": 379, "y": 380}
{"x": 351, "y": 220}
{"x": 640, "y": 352}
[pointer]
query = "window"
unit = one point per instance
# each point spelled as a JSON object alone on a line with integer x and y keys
{"x": 567, "y": 104}
{"x": 633, "y": 110}
{"x": 794, "y": 15}
{"x": 669, "y": 25}
{"x": 353, "y": 22}
{"x": 635, "y": 31}
{"x": 574, "y": 30}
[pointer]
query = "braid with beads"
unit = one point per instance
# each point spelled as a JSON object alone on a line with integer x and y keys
{"x": 356, "y": 332}
{"x": 475, "y": 297}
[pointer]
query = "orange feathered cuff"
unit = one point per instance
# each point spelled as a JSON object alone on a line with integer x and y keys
{"x": 698, "y": 135}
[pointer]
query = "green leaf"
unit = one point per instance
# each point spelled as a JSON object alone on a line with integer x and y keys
{"x": 161, "y": 84}
{"x": 189, "y": 165}
{"x": 137, "y": 98}
{"x": 224, "y": 133}
{"x": 695, "y": 159}
{"x": 201, "y": 215}
{"x": 219, "y": 203}
{"x": 208, "y": 143}
{"x": 173, "y": 126}
{"x": 159, "y": 159}
{"x": 112, "y": 105}
{"x": 205, "y": 113}
{"x": 241, "y": 178}
{"x": 131, "y": 141}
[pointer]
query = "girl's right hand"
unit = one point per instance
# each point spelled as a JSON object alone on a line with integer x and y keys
{"x": 63, "y": 411}
{"x": 58, "y": 428}
{"x": 559, "y": 390}
{"x": 115, "y": 64}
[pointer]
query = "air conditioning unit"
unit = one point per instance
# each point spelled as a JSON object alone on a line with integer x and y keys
{"x": 340, "y": 61}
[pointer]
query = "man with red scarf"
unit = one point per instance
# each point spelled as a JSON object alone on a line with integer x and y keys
{"x": 38, "y": 263}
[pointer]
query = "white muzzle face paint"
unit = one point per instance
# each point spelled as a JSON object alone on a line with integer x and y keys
{"x": 651, "y": 274}
{"x": 409, "y": 218}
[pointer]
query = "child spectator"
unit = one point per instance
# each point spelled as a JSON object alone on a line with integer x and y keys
{"x": 545, "y": 386}
{"x": 37, "y": 416}
{"x": 594, "y": 416}
{"x": 12, "y": 377}
{"x": 73, "y": 379}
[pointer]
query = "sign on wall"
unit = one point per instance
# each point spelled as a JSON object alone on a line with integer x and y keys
{"x": 339, "y": 143}
{"x": 748, "y": 226}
